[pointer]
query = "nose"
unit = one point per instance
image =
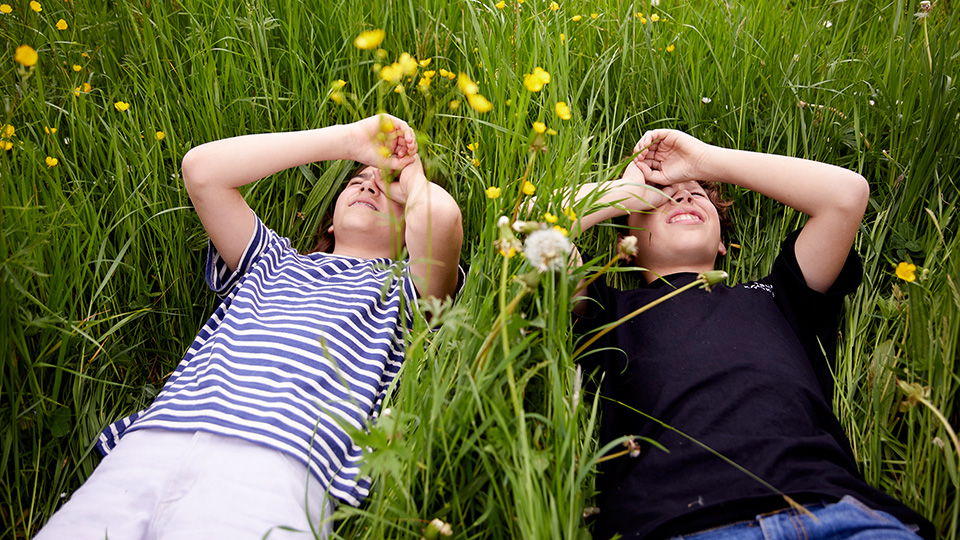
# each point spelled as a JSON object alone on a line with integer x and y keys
{"x": 369, "y": 184}
{"x": 683, "y": 195}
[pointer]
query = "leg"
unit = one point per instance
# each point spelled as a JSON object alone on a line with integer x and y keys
{"x": 848, "y": 519}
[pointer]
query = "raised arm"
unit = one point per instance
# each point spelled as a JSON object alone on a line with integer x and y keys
{"x": 214, "y": 171}
{"x": 834, "y": 198}
{"x": 433, "y": 231}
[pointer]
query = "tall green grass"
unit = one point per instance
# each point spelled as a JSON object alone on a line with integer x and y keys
{"x": 100, "y": 256}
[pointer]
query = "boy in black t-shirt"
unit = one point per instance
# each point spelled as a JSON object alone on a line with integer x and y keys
{"x": 740, "y": 371}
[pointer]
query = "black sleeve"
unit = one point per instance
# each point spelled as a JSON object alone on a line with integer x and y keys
{"x": 814, "y": 316}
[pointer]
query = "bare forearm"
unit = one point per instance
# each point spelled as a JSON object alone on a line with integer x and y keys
{"x": 810, "y": 187}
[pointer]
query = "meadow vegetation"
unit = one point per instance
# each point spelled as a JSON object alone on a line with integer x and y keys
{"x": 490, "y": 428}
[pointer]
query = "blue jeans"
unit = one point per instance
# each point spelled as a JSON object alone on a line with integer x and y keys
{"x": 847, "y": 519}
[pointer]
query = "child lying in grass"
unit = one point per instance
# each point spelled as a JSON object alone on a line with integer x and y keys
{"x": 248, "y": 433}
{"x": 740, "y": 370}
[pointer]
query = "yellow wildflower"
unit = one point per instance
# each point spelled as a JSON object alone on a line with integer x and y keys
{"x": 408, "y": 64}
{"x": 562, "y": 110}
{"x": 161, "y": 135}
{"x": 670, "y": 47}
{"x": 473, "y": 146}
{"x": 549, "y": 218}
{"x": 6, "y": 145}
{"x": 61, "y": 24}
{"x": 476, "y": 162}
{"x": 560, "y": 230}
{"x": 51, "y": 161}
{"x": 398, "y": 89}
{"x": 639, "y": 14}
{"x": 535, "y": 81}
{"x": 551, "y": 131}
{"x": 563, "y": 37}
{"x": 425, "y": 62}
{"x": 539, "y": 127}
{"x": 339, "y": 83}
{"x": 121, "y": 106}
{"x": 594, "y": 15}
{"x": 85, "y": 88}
{"x": 654, "y": 17}
{"x": 77, "y": 67}
{"x": 571, "y": 215}
{"x": 492, "y": 192}
{"x": 49, "y": 130}
{"x": 576, "y": 18}
{"x": 479, "y": 103}
{"x": 369, "y": 39}
{"x": 25, "y": 55}
{"x": 529, "y": 188}
{"x": 34, "y": 5}
{"x": 424, "y": 83}
{"x": 336, "y": 97}
{"x": 907, "y": 271}
{"x": 500, "y": 4}
{"x": 453, "y": 105}
{"x": 8, "y": 130}
{"x": 392, "y": 73}
{"x": 466, "y": 85}
{"x": 5, "y": 8}
{"x": 554, "y": 6}
{"x": 509, "y": 254}
{"x": 643, "y": 20}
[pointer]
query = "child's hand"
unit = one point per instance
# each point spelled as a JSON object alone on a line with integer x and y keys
{"x": 383, "y": 141}
{"x": 412, "y": 179}
{"x": 668, "y": 157}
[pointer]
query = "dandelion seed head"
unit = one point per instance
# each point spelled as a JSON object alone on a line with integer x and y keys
{"x": 547, "y": 250}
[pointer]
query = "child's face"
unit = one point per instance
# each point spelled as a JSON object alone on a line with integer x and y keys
{"x": 682, "y": 234}
{"x": 364, "y": 208}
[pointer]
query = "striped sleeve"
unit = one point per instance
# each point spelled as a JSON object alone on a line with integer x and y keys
{"x": 218, "y": 275}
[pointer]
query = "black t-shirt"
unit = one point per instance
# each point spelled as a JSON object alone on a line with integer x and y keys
{"x": 740, "y": 370}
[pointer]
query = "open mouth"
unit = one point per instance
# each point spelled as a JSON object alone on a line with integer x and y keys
{"x": 684, "y": 217}
{"x": 364, "y": 203}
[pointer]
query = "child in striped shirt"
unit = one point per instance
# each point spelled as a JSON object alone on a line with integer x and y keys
{"x": 251, "y": 430}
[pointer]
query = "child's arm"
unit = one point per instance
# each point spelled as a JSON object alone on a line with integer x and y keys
{"x": 214, "y": 171}
{"x": 833, "y": 197}
{"x": 433, "y": 231}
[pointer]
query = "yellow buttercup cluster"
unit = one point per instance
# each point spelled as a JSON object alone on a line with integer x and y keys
{"x": 369, "y": 39}
{"x": 536, "y": 80}
{"x": 472, "y": 91}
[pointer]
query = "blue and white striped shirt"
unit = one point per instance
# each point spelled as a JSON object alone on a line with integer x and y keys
{"x": 301, "y": 346}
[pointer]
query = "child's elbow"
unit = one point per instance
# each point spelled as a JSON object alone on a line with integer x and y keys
{"x": 855, "y": 195}
{"x": 193, "y": 170}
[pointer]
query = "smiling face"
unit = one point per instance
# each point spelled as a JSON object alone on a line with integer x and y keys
{"x": 681, "y": 235}
{"x": 363, "y": 217}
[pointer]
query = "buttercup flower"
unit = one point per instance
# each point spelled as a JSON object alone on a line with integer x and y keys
{"x": 453, "y": 105}
{"x": 563, "y": 37}
{"x": 670, "y": 47}
{"x": 473, "y": 146}
{"x": 49, "y": 130}
{"x": 61, "y": 24}
{"x": 500, "y": 4}
{"x": 539, "y": 127}
{"x": 576, "y": 18}
{"x": 476, "y": 162}
{"x": 85, "y": 88}
{"x": 479, "y": 103}
{"x": 547, "y": 250}
{"x": 51, "y": 161}
{"x": 425, "y": 62}
{"x": 398, "y": 88}
{"x": 535, "y": 81}
{"x": 906, "y": 271}
{"x": 392, "y": 73}
{"x": 571, "y": 215}
{"x": 369, "y": 39}
{"x": 554, "y": 6}
{"x": 529, "y": 188}
{"x": 25, "y": 55}
{"x": 5, "y": 8}
{"x": 77, "y": 67}
{"x": 562, "y": 110}
{"x": 560, "y": 230}
{"x": 594, "y": 15}
{"x": 121, "y": 106}
{"x": 161, "y": 135}
{"x": 549, "y": 218}
{"x": 466, "y": 85}
{"x": 654, "y": 17}
{"x": 492, "y": 192}
{"x": 6, "y": 145}
{"x": 7, "y": 130}
{"x": 551, "y": 131}
{"x": 34, "y": 5}
{"x": 408, "y": 65}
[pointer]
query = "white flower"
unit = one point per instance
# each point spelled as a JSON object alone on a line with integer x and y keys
{"x": 828, "y": 24}
{"x": 547, "y": 250}
{"x": 706, "y": 100}
{"x": 628, "y": 247}
{"x": 503, "y": 221}
{"x": 871, "y": 102}
{"x": 654, "y": 3}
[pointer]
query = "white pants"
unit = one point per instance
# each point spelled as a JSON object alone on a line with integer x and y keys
{"x": 160, "y": 484}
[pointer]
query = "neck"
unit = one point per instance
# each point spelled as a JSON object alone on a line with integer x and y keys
{"x": 652, "y": 274}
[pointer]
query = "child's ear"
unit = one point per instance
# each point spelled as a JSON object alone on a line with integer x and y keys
{"x": 330, "y": 230}
{"x": 722, "y": 250}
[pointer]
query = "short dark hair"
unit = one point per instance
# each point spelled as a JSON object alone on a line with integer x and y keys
{"x": 325, "y": 241}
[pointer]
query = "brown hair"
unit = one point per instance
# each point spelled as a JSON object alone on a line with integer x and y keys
{"x": 715, "y": 195}
{"x": 325, "y": 240}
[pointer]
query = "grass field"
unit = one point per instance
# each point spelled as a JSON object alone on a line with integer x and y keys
{"x": 101, "y": 286}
